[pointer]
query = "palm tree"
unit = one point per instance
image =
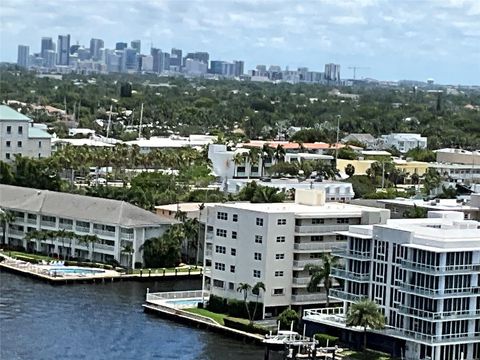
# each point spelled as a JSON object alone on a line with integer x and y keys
{"x": 256, "y": 291}
{"x": 367, "y": 314}
{"x": 190, "y": 229}
{"x": 279, "y": 154}
{"x": 239, "y": 159}
{"x": 349, "y": 170}
{"x": 245, "y": 288}
{"x": 321, "y": 273}
{"x": 252, "y": 158}
{"x": 6, "y": 218}
{"x": 128, "y": 250}
{"x": 266, "y": 154}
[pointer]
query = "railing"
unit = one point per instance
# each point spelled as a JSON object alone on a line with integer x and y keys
{"x": 104, "y": 247}
{"x": 301, "y": 281}
{"x": 209, "y": 236}
{"x": 19, "y": 219}
{"x": 349, "y": 253}
{"x": 32, "y": 221}
{"x": 322, "y": 246}
{"x": 448, "y": 292}
{"x": 320, "y": 229}
{"x": 82, "y": 229}
{"x": 65, "y": 226}
{"x": 343, "y": 295}
{"x": 431, "y": 338}
{"x": 439, "y": 270}
{"x": 348, "y": 275}
{"x": 48, "y": 223}
{"x": 320, "y": 297}
{"x": 302, "y": 263}
{"x": 324, "y": 311}
{"x": 104, "y": 233}
{"x": 444, "y": 315}
{"x": 16, "y": 232}
{"x": 176, "y": 295}
{"x": 208, "y": 252}
{"x": 126, "y": 236}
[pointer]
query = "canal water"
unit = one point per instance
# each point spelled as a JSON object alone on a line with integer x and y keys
{"x": 100, "y": 321}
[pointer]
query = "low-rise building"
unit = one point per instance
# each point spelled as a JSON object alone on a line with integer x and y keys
{"x": 424, "y": 275}
{"x": 404, "y": 142}
{"x": 272, "y": 243}
{"x": 462, "y": 173}
{"x": 458, "y": 156}
{"x": 116, "y": 223}
{"x": 20, "y": 136}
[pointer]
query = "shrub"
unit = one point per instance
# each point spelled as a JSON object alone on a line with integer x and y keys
{"x": 242, "y": 326}
{"x": 138, "y": 265}
{"x": 286, "y": 318}
{"x": 324, "y": 338}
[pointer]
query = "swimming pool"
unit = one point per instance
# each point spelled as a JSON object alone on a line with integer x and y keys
{"x": 184, "y": 303}
{"x": 71, "y": 270}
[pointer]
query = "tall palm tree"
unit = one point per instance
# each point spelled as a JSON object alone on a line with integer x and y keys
{"x": 6, "y": 218}
{"x": 128, "y": 250}
{"x": 279, "y": 154}
{"x": 253, "y": 158}
{"x": 245, "y": 288}
{"x": 239, "y": 159}
{"x": 190, "y": 229}
{"x": 367, "y": 314}
{"x": 256, "y": 291}
{"x": 321, "y": 273}
{"x": 266, "y": 154}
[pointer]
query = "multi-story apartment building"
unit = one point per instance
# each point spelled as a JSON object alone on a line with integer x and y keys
{"x": 403, "y": 141}
{"x": 272, "y": 243}
{"x": 19, "y": 135}
{"x": 424, "y": 275}
{"x": 116, "y": 223}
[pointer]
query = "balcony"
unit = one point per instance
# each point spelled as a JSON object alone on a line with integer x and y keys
{"x": 437, "y": 293}
{"x": 348, "y": 275}
{"x": 126, "y": 236}
{"x": 209, "y": 236}
{"x": 351, "y": 254}
{"x": 19, "y": 219}
{"x": 346, "y": 296}
{"x": 320, "y": 229}
{"x": 46, "y": 223}
{"x": 300, "y": 264}
{"x": 309, "y": 298}
{"x": 16, "y": 232}
{"x": 82, "y": 229}
{"x": 32, "y": 221}
{"x": 301, "y": 281}
{"x": 432, "y": 339}
{"x": 315, "y": 246}
{"x": 208, "y": 253}
{"x": 105, "y": 233}
{"x": 440, "y": 270}
{"x": 65, "y": 226}
{"x": 438, "y": 316}
{"x": 104, "y": 247}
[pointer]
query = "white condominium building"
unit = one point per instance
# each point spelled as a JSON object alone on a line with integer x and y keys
{"x": 20, "y": 136}
{"x": 424, "y": 275}
{"x": 272, "y": 243}
{"x": 116, "y": 223}
{"x": 404, "y": 141}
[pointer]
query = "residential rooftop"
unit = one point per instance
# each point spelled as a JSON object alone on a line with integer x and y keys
{"x": 7, "y": 113}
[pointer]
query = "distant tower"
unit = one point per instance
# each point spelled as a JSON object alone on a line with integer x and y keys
{"x": 95, "y": 46}
{"x": 137, "y": 45}
{"x": 47, "y": 44}
{"x": 121, "y": 46}
{"x": 63, "y": 50}
{"x": 23, "y": 54}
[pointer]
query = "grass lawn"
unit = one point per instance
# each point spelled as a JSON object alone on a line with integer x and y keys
{"x": 28, "y": 255}
{"x": 215, "y": 316}
{"x": 367, "y": 355}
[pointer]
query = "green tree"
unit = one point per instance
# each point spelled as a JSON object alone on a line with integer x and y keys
{"x": 366, "y": 314}
{"x": 286, "y": 318}
{"x": 129, "y": 251}
{"x": 6, "y": 218}
{"x": 244, "y": 288}
{"x": 322, "y": 273}
{"x": 415, "y": 212}
{"x": 349, "y": 170}
{"x": 256, "y": 289}
{"x": 431, "y": 181}
{"x": 266, "y": 194}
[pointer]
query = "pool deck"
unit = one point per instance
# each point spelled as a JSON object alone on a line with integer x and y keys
{"x": 161, "y": 308}
{"x": 39, "y": 272}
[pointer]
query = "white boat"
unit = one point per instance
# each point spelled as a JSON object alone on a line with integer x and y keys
{"x": 283, "y": 337}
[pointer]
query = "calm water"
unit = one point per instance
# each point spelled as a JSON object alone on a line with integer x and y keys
{"x": 40, "y": 321}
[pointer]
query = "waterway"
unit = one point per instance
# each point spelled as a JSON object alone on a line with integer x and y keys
{"x": 100, "y": 321}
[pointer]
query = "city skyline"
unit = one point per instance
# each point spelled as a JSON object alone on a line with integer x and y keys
{"x": 395, "y": 41}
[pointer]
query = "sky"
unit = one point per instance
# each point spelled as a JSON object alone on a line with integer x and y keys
{"x": 389, "y": 39}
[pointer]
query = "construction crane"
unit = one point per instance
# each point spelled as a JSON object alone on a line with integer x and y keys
{"x": 355, "y": 68}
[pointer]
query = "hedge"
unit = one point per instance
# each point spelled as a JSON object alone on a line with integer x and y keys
{"x": 323, "y": 338}
{"x": 233, "y": 307}
{"x": 242, "y": 326}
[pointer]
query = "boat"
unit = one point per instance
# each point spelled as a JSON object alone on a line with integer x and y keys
{"x": 282, "y": 338}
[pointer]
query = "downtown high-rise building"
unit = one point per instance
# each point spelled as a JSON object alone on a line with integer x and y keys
{"x": 332, "y": 72}
{"x": 23, "y": 54}
{"x": 176, "y": 58}
{"x": 47, "y": 44}
{"x": 137, "y": 45}
{"x": 121, "y": 46}
{"x": 95, "y": 46}
{"x": 63, "y": 57}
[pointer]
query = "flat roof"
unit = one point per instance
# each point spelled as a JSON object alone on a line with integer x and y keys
{"x": 186, "y": 207}
{"x": 444, "y": 204}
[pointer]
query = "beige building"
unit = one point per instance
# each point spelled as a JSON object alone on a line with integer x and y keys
{"x": 458, "y": 156}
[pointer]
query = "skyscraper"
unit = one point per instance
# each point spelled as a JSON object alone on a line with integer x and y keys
{"x": 239, "y": 67}
{"x": 137, "y": 45}
{"x": 121, "y": 46}
{"x": 23, "y": 54}
{"x": 156, "y": 54}
{"x": 63, "y": 49}
{"x": 47, "y": 44}
{"x": 176, "y": 58}
{"x": 95, "y": 46}
{"x": 332, "y": 72}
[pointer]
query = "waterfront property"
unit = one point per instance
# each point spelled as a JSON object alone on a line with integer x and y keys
{"x": 424, "y": 275}
{"x": 272, "y": 243}
{"x": 20, "y": 136}
{"x": 116, "y": 224}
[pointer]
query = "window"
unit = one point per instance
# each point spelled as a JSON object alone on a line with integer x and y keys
{"x": 220, "y": 249}
{"x": 39, "y": 144}
{"x": 234, "y": 234}
{"x": 7, "y": 156}
{"x": 231, "y": 286}
{"x": 240, "y": 169}
{"x": 280, "y": 239}
{"x": 281, "y": 221}
{"x": 257, "y": 273}
{"x": 222, "y": 232}
{"x": 259, "y": 222}
{"x": 257, "y": 256}
{"x": 316, "y": 255}
{"x": 19, "y": 144}
{"x": 9, "y": 130}
{"x": 20, "y": 130}
{"x": 218, "y": 283}
{"x": 254, "y": 169}
{"x": 343, "y": 221}
{"x": 318, "y": 221}
{"x": 258, "y": 239}
{"x": 219, "y": 266}
{"x": 278, "y": 291}
{"x": 8, "y": 143}
{"x": 279, "y": 256}
{"x": 232, "y": 268}
{"x": 316, "y": 238}
{"x": 222, "y": 216}
{"x": 278, "y": 273}
{"x": 233, "y": 252}
{"x": 340, "y": 237}
{"x": 235, "y": 217}
{"x": 39, "y": 155}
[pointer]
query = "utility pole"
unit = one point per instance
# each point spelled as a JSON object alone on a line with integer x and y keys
{"x": 336, "y": 144}
{"x": 140, "y": 127}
